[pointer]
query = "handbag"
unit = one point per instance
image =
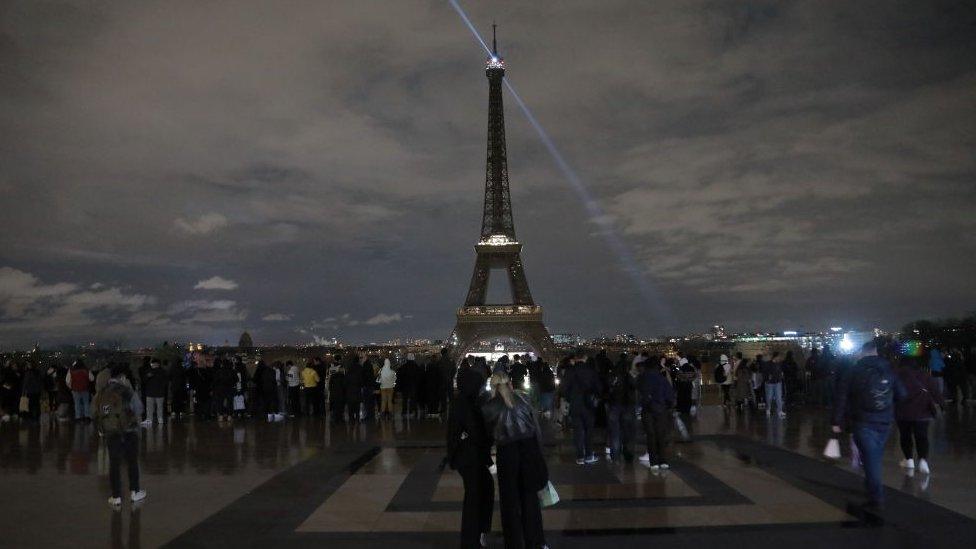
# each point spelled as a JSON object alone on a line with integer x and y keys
{"x": 832, "y": 450}
{"x": 24, "y": 404}
{"x": 681, "y": 428}
{"x": 548, "y": 495}
{"x": 238, "y": 403}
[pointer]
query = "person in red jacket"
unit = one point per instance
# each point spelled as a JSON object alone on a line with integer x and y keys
{"x": 79, "y": 380}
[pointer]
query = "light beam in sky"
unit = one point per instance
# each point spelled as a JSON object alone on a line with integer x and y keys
{"x": 596, "y": 213}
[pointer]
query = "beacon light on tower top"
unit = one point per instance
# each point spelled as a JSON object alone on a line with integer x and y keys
{"x": 495, "y": 61}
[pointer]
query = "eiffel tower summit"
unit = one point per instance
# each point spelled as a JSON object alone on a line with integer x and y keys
{"x": 498, "y": 247}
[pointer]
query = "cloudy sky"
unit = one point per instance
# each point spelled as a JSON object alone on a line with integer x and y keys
{"x": 316, "y": 169}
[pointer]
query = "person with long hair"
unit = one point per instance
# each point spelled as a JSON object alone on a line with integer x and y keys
{"x": 522, "y": 470}
{"x": 469, "y": 453}
{"x": 387, "y": 385}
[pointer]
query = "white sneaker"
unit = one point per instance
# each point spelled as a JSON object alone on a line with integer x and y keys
{"x": 665, "y": 466}
{"x": 115, "y": 503}
{"x": 580, "y": 461}
{"x": 146, "y": 422}
{"x": 782, "y": 415}
{"x": 137, "y": 496}
{"x": 483, "y": 540}
{"x": 908, "y": 463}
{"x": 923, "y": 466}
{"x": 606, "y": 450}
{"x": 645, "y": 458}
{"x": 655, "y": 467}
{"x": 592, "y": 459}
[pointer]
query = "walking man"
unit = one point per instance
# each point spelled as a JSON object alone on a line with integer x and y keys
{"x": 657, "y": 400}
{"x": 582, "y": 389}
{"x": 866, "y": 395}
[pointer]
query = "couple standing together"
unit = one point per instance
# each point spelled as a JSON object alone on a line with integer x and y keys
{"x": 508, "y": 421}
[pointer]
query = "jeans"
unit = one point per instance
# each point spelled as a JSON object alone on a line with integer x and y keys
{"x": 123, "y": 446}
{"x": 582, "y": 419}
{"x": 156, "y": 404}
{"x": 620, "y": 424}
{"x": 870, "y": 439}
{"x": 82, "y": 404}
{"x": 774, "y": 392}
{"x": 914, "y": 435}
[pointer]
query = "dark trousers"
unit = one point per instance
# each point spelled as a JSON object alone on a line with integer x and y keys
{"x": 123, "y": 446}
{"x": 295, "y": 400}
{"x": 582, "y": 419}
{"x": 620, "y": 425}
{"x": 519, "y": 503}
{"x": 352, "y": 409}
{"x": 34, "y": 406}
{"x": 479, "y": 502}
{"x": 409, "y": 404}
{"x": 315, "y": 400}
{"x": 657, "y": 429}
{"x": 912, "y": 435}
{"x": 269, "y": 402}
{"x": 337, "y": 405}
{"x": 726, "y": 394}
{"x": 870, "y": 440}
{"x": 179, "y": 402}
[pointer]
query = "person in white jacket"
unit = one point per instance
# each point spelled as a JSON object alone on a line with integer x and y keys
{"x": 387, "y": 384}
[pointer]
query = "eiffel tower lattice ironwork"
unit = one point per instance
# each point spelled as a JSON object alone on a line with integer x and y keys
{"x": 498, "y": 248}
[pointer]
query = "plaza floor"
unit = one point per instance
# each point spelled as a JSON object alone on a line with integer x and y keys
{"x": 743, "y": 480}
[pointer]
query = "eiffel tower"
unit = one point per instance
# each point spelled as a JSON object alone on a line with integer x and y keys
{"x": 498, "y": 248}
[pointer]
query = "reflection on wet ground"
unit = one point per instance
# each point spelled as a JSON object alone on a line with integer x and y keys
{"x": 206, "y": 474}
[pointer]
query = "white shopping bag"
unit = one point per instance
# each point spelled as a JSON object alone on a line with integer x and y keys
{"x": 548, "y": 495}
{"x": 832, "y": 450}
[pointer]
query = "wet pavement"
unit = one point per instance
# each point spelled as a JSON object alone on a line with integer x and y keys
{"x": 743, "y": 479}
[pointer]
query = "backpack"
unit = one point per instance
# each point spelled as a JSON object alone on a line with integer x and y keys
{"x": 877, "y": 389}
{"x": 113, "y": 413}
{"x": 719, "y": 374}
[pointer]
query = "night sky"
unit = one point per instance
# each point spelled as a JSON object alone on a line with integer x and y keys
{"x": 188, "y": 170}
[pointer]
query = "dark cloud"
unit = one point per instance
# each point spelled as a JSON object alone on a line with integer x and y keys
{"x": 766, "y": 163}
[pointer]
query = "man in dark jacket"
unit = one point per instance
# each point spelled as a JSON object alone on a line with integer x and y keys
{"x": 407, "y": 382}
{"x": 621, "y": 411}
{"x": 355, "y": 381}
{"x": 866, "y": 395}
{"x": 581, "y": 387}
{"x": 657, "y": 399}
{"x": 155, "y": 383}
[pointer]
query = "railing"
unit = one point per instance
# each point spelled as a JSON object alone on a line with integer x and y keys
{"x": 500, "y": 310}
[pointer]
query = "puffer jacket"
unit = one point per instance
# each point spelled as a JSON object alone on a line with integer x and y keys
{"x": 510, "y": 424}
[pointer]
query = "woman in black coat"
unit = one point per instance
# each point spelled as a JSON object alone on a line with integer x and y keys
{"x": 469, "y": 453}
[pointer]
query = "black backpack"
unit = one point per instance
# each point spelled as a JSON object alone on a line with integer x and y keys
{"x": 113, "y": 411}
{"x": 877, "y": 388}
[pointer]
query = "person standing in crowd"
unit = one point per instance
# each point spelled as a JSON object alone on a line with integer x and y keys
{"x": 810, "y": 376}
{"x": 225, "y": 385}
{"x": 684, "y": 385}
{"x": 432, "y": 386}
{"x": 866, "y": 396}
{"x": 742, "y": 383}
{"x": 723, "y": 376}
{"x": 32, "y": 387}
{"x": 355, "y": 382}
{"x": 757, "y": 382}
{"x": 79, "y": 380}
{"x": 155, "y": 384}
{"x": 313, "y": 390}
{"x": 621, "y": 410}
{"x": 581, "y": 387}
{"x": 281, "y": 385}
{"x": 293, "y": 375}
{"x": 469, "y": 453}
{"x": 547, "y": 389}
{"x": 387, "y": 384}
{"x": 370, "y": 386}
{"x": 914, "y": 413}
{"x": 241, "y": 392}
{"x": 101, "y": 378}
{"x": 522, "y": 469}
{"x": 518, "y": 372}
{"x": 448, "y": 370}
{"x": 657, "y": 399}
{"x": 178, "y": 390}
{"x": 937, "y": 368}
{"x": 772, "y": 374}
{"x": 337, "y": 391}
{"x": 268, "y": 386}
{"x": 118, "y": 409}
{"x": 201, "y": 381}
{"x": 51, "y": 379}
{"x": 792, "y": 383}
{"x": 407, "y": 377}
